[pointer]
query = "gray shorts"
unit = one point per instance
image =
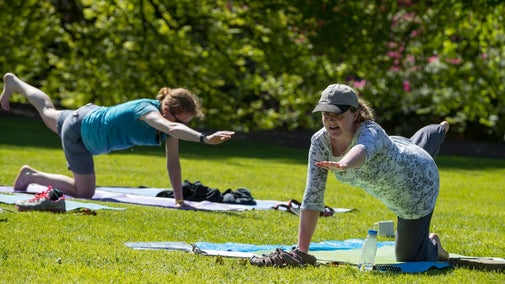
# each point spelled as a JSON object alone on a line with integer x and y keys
{"x": 412, "y": 242}
{"x": 79, "y": 159}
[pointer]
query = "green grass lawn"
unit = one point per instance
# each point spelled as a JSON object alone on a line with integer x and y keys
{"x": 41, "y": 247}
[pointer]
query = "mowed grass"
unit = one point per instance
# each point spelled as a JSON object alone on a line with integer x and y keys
{"x": 41, "y": 247}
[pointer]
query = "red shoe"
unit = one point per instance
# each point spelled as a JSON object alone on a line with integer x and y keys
{"x": 50, "y": 200}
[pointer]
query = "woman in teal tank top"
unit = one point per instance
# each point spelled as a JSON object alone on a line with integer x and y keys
{"x": 93, "y": 130}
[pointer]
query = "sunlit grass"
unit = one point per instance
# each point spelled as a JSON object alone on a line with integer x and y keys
{"x": 40, "y": 247}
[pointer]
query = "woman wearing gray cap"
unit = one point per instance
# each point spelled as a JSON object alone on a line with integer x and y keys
{"x": 398, "y": 171}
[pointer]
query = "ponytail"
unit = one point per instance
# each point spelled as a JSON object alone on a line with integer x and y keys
{"x": 365, "y": 112}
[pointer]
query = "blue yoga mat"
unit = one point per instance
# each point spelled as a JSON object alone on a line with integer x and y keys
{"x": 341, "y": 252}
{"x": 314, "y": 246}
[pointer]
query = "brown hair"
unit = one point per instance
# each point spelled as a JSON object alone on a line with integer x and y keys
{"x": 178, "y": 101}
{"x": 365, "y": 112}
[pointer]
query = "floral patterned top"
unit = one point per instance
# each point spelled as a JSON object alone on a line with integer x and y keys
{"x": 396, "y": 171}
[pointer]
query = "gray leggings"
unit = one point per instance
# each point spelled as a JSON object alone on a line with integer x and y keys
{"x": 412, "y": 242}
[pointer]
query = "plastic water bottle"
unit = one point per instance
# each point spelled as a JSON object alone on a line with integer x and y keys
{"x": 368, "y": 251}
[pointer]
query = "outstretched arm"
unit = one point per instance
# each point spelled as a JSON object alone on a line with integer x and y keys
{"x": 181, "y": 131}
{"x": 355, "y": 158}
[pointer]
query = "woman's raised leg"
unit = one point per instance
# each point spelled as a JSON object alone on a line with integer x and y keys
{"x": 431, "y": 137}
{"x": 36, "y": 97}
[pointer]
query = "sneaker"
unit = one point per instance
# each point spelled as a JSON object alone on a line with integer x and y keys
{"x": 50, "y": 200}
{"x": 281, "y": 258}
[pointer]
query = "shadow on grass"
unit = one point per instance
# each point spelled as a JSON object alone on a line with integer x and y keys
{"x": 33, "y": 133}
{"x": 469, "y": 163}
{"x": 30, "y": 132}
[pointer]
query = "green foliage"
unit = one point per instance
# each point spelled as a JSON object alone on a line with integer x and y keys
{"x": 41, "y": 247}
{"x": 262, "y": 64}
{"x": 450, "y": 63}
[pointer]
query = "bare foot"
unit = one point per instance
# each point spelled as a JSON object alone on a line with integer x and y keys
{"x": 7, "y": 91}
{"x": 445, "y": 124}
{"x": 442, "y": 253}
{"x": 23, "y": 179}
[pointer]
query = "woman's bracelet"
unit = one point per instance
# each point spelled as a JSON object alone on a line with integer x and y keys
{"x": 202, "y": 138}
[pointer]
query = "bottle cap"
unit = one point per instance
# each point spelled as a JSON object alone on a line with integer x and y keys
{"x": 372, "y": 232}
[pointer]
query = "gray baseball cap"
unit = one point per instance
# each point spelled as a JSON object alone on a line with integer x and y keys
{"x": 337, "y": 98}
